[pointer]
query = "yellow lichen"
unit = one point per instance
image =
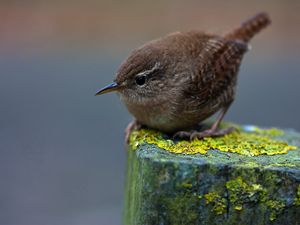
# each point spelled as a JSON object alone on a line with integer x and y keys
{"x": 218, "y": 203}
{"x": 297, "y": 198}
{"x": 187, "y": 185}
{"x": 242, "y": 192}
{"x": 270, "y": 132}
{"x": 254, "y": 143}
{"x": 238, "y": 207}
{"x": 276, "y": 208}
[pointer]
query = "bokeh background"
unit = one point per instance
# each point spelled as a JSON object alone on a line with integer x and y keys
{"x": 62, "y": 160}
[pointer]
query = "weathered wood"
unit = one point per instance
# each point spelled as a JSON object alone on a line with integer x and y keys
{"x": 214, "y": 188}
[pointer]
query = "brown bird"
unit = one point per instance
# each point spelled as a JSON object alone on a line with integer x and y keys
{"x": 175, "y": 82}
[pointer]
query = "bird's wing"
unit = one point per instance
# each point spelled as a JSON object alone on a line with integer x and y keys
{"x": 217, "y": 67}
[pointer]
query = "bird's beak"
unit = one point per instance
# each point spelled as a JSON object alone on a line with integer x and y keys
{"x": 108, "y": 88}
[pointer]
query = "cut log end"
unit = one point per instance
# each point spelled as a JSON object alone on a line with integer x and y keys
{"x": 212, "y": 186}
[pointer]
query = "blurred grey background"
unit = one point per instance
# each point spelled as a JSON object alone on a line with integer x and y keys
{"x": 62, "y": 160}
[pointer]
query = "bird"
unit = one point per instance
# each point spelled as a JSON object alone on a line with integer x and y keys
{"x": 175, "y": 82}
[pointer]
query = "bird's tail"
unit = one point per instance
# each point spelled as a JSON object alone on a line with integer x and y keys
{"x": 250, "y": 27}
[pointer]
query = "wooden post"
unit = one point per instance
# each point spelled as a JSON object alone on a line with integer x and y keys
{"x": 214, "y": 187}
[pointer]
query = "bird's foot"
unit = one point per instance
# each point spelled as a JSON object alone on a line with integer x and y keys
{"x": 133, "y": 125}
{"x": 202, "y": 134}
{"x": 211, "y": 133}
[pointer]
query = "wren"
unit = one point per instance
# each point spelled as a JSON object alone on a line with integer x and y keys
{"x": 175, "y": 82}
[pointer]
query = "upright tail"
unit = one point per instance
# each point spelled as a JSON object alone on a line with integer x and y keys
{"x": 250, "y": 27}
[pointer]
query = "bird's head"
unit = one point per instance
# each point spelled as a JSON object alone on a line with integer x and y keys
{"x": 141, "y": 77}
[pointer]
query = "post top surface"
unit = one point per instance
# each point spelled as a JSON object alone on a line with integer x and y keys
{"x": 250, "y": 147}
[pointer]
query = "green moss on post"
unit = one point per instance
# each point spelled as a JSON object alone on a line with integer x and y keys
{"x": 249, "y": 177}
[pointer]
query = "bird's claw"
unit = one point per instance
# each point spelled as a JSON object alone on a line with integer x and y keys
{"x": 183, "y": 134}
{"x": 206, "y": 133}
{"x": 133, "y": 125}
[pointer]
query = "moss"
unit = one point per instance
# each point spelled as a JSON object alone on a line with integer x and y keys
{"x": 182, "y": 208}
{"x": 218, "y": 203}
{"x": 249, "y": 142}
{"x": 297, "y": 198}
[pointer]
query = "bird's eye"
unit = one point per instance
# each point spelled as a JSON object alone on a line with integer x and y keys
{"x": 140, "y": 80}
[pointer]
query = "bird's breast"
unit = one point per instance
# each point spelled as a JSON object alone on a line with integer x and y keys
{"x": 156, "y": 116}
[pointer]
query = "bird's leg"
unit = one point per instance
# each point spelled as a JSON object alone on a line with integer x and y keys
{"x": 133, "y": 125}
{"x": 213, "y": 131}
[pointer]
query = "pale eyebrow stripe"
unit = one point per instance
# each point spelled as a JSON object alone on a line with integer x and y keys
{"x": 147, "y": 72}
